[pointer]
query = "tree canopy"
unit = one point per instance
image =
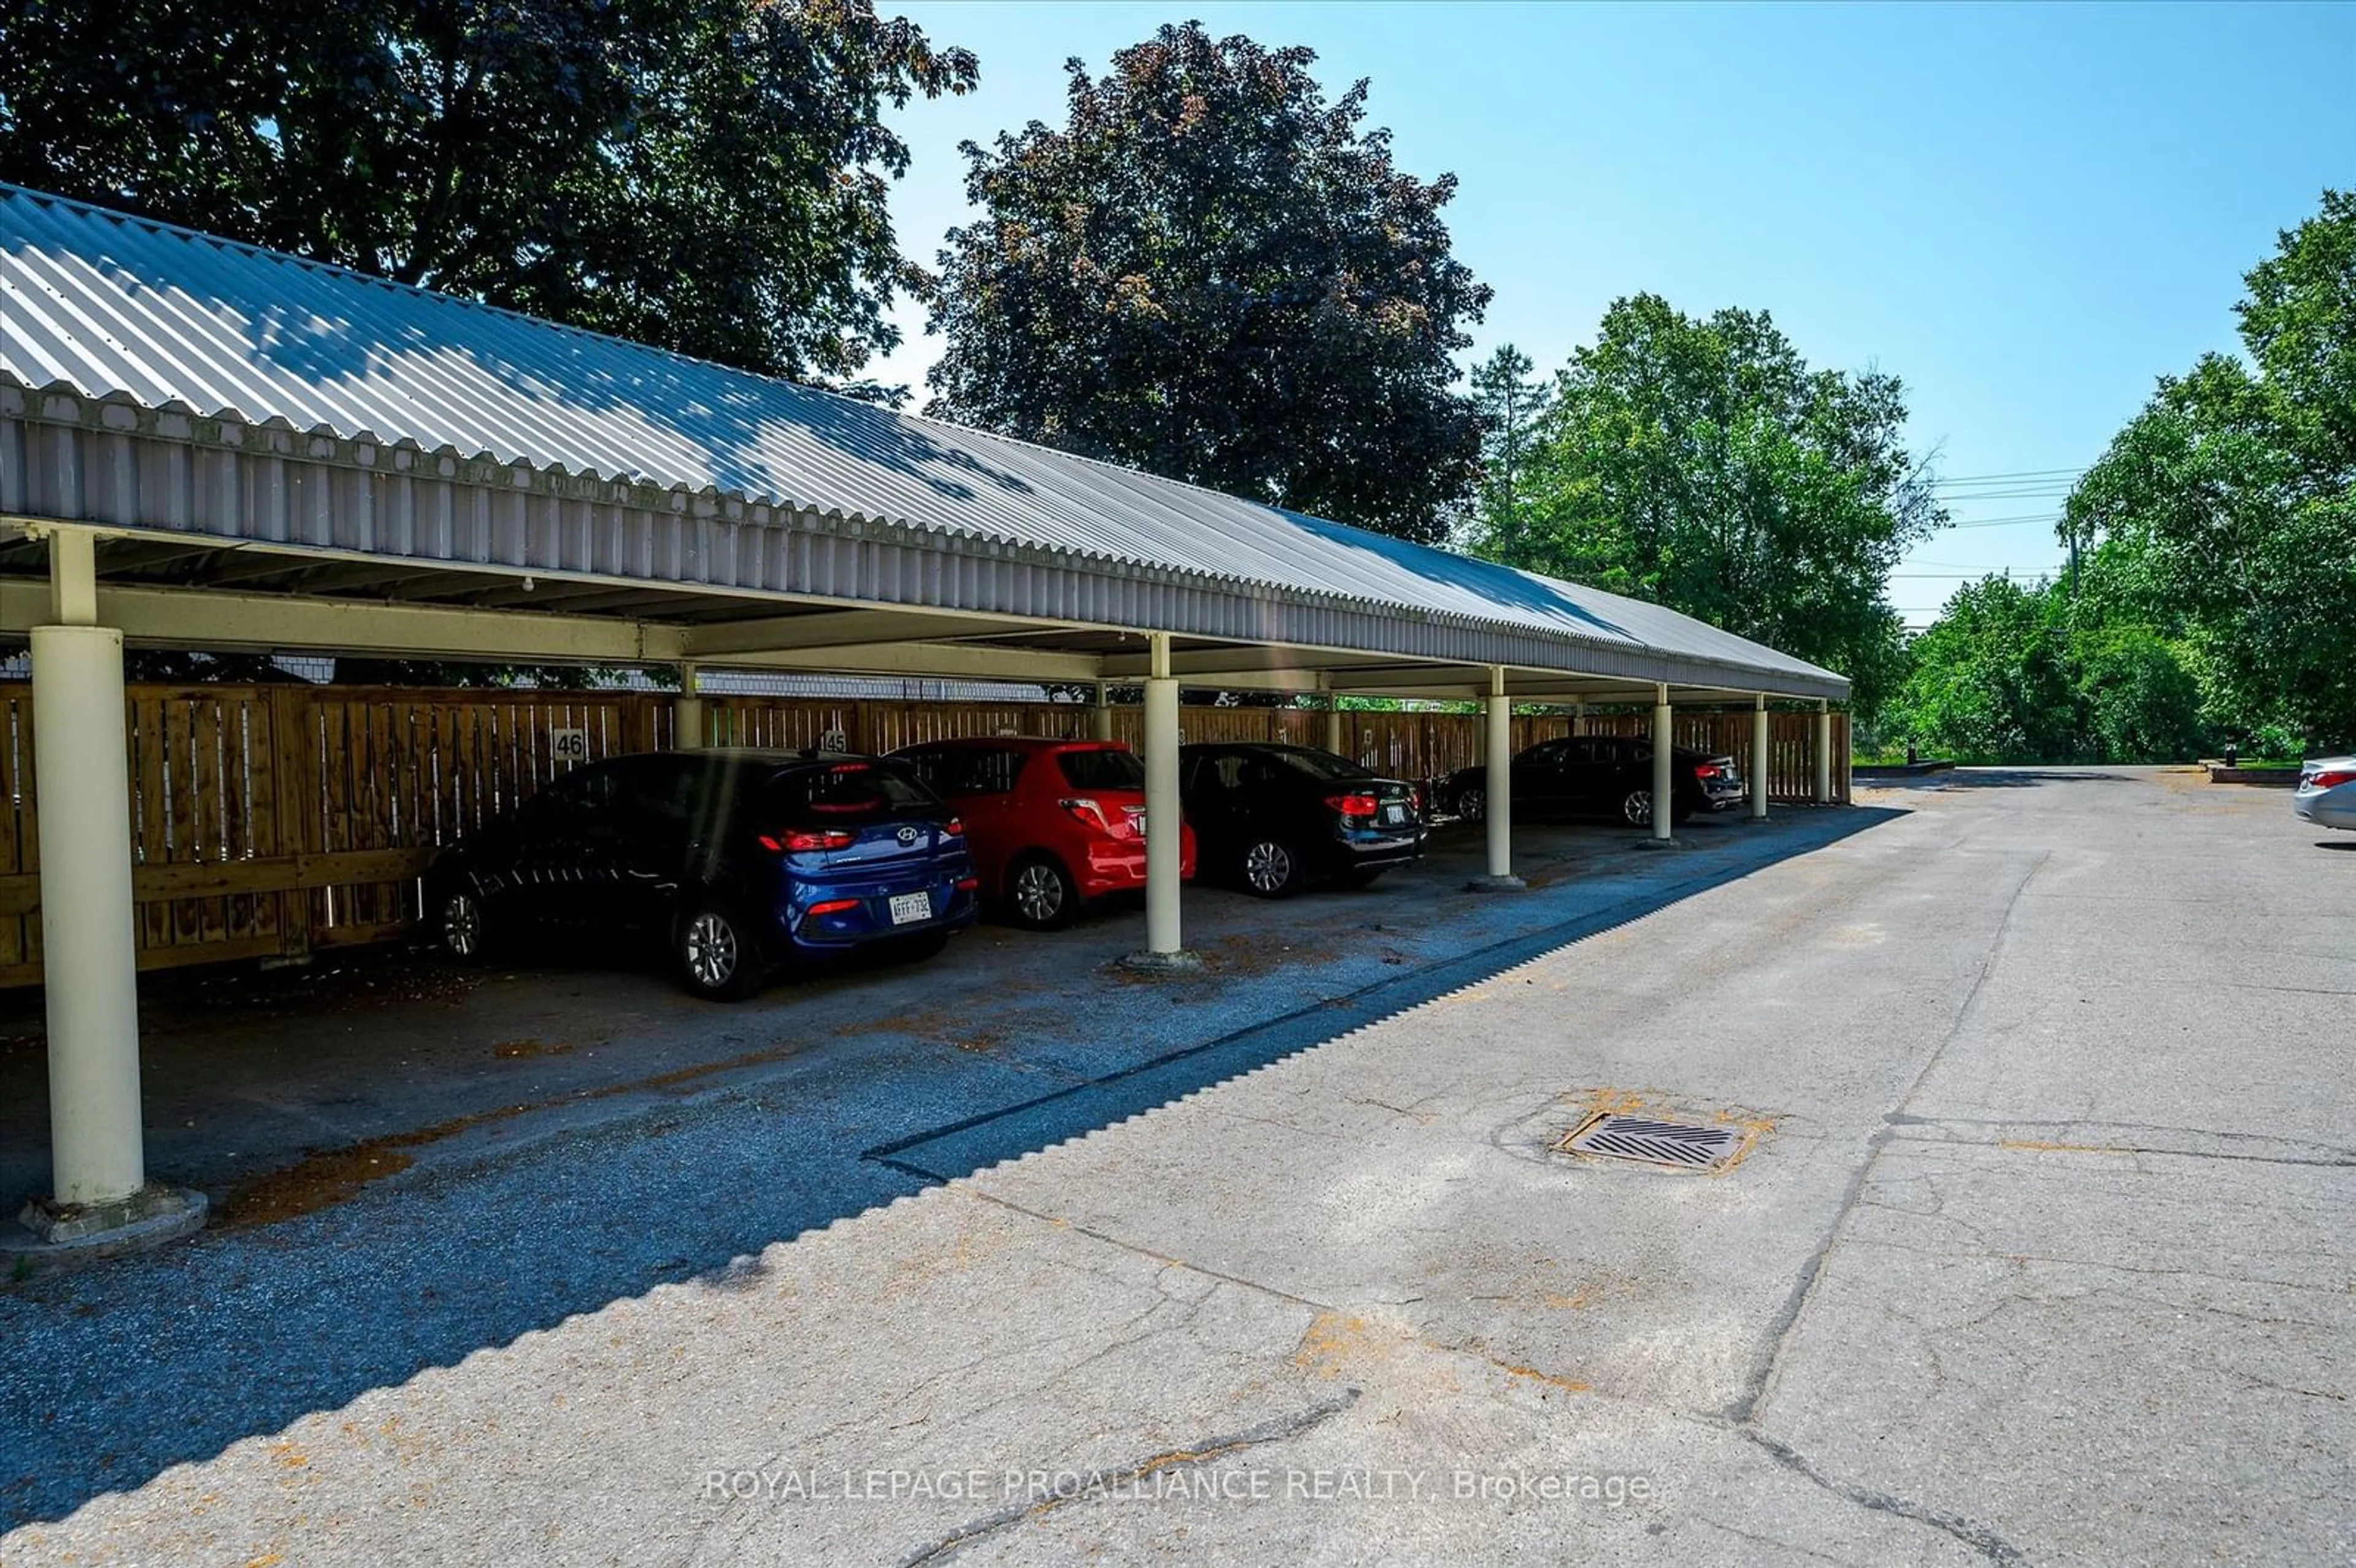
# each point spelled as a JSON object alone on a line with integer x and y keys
{"x": 1214, "y": 272}
{"x": 2015, "y": 673}
{"x": 707, "y": 176}
{"x": 1700, "y": 462}
{"x": 2225, "y": 511}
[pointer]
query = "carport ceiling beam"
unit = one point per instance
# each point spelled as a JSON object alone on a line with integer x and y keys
{"x": 180, "y": 617}
{"x": 836, "y": 629}
{"x": 1210, "y": 666}
{"x": 944, "y": 660}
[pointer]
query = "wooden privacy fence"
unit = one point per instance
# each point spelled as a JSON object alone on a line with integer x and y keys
{"x": 274, "y": 822}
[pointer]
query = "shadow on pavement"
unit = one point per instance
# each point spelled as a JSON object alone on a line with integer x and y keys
{"x": 129, "y": 1368}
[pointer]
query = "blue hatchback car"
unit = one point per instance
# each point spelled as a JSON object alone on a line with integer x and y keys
{"x": 735, "y": 860}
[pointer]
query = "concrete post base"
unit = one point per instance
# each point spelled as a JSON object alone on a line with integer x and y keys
{"x": 50, "y": 1234}
{"x": 1496, "y": 885}
{"x": 1664, "y": 843}
{"x": 1182, "y": 962}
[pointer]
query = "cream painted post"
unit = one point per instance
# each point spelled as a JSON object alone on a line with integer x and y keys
{"x": 1162, "y": 817}
{"x": 91, "y": 967}
{"x": 1758, "y": 757}
{"x": 1578, "y": 717}
{"x": 1100, "y": 712}
{"x": 686, "y": 733}
{"x": 1824, "y": 753}
{"x": 1333, "y": 737}
{"x": 1663, "y": 778}
{"x": 1497, "y": 785}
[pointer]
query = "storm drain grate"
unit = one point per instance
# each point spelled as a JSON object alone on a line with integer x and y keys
{"x": 1689, "y": 1146}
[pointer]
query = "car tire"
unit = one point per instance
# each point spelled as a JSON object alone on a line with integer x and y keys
{"x": 1270, "y": 868}
{"x": 1040, "y": 894}
{"x": 716, "y": 953}
{"x": 1363, "y": 878}
{"x": 1472, "y": 803}
{"x": 1636, "y": 807}
{"x": 462, "y": 926}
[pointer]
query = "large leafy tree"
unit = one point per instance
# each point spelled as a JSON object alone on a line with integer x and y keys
{"x": 1700, "y": 462}
{"x": 2228, "y": 505}
{"x": 2020, "y": 673}
{"x": 709, "y": 176}
{"x": 1213, "y": 272}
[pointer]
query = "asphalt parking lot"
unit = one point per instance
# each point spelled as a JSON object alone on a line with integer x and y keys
{"x": 2039, "y": 1253}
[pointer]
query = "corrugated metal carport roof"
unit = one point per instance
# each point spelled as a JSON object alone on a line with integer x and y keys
{"x": 122, "y": 308}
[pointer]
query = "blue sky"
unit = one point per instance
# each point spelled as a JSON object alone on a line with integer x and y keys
{"x": 2026, "y": 212}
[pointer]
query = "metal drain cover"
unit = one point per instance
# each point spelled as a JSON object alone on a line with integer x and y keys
{"x": 1688, "y": 1145}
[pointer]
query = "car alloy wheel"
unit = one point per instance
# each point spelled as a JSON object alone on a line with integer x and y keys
{"x": 710, "y": 949}
{"x": 462, "y": 925}
{"x": 1473, "y": 805}
{"x": 1269, "y": 869}
{"x": 1039, "y": 894}
{"x": 1638, "y": 807}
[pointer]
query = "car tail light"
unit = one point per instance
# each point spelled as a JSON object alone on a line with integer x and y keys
{"x": 2331, "y": 780}
{"x": 954, "y": 827}
{"x": 1415, "y": 800}
{"x": 1091, "y": 811}
{"x": 969, "y": 884}
{"x": 1354, "y": 804}
{"x": 804, "y": 841}
{"x": 1705, "y": 771}
{"x": 831, "y": 906}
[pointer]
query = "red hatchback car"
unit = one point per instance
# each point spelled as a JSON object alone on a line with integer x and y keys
{"x": 1051, "y": 824}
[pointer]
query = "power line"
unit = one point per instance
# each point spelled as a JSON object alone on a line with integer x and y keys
{"x": 2009, "y": 522}
{"x": 2022, "y": 473}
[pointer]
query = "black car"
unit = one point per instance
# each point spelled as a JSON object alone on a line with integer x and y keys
{"x": 1272, "y": 817}
{"x": 734, "y": 860}
{"x": 1599, "y": 776}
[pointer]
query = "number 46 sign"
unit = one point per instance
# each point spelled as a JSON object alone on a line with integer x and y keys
{"x": 568, "y": 745}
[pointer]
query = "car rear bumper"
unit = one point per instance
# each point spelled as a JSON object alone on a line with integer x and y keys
{"x": 1116, "y": 865}
{"x": 953, "y": 907}
{"x": 1373, "y": 850}
{"x": 2325, "y": 807}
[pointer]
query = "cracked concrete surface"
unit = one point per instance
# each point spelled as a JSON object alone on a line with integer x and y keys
{"x": 2042, "y": 1256}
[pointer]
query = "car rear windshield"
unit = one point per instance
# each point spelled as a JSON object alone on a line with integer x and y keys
{"x": 1107, "y": 768}
{"x": 844, "y": 794}
{"x": 1322, "y": 765}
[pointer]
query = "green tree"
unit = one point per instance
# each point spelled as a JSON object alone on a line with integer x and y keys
{"x": 1512, "y": 402}
{"x": 2015, "y": 673}
{"x": 1991, "y": 679}
{"x": 1212, "y": 271}
{"x": 707, "y": 176}
{"x": 2227, "y": 507}
{"x": 1700, "y": 462}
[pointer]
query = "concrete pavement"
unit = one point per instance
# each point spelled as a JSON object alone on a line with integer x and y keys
{"x": 2041, "y": 1255}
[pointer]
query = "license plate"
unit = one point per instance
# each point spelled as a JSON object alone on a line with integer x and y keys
{"x": 1394, "y": 814}
{"x": 908, "y": 907}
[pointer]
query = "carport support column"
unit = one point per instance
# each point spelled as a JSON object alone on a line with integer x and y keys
{"x": 1100, "y": 713}
{"x": 1824, "y": 753}
{"x": 1664, "y": 767}
{"x": 687, "y": 712}
{"x": 1334, "y": 736}
{"x": 1163, "y": 816}
{"x": 99, "y": 1164}
{"x": 1497, "y": 788}
{"x": 1758, "y": 757}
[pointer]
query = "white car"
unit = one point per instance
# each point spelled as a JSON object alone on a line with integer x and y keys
{"x": 2326, "y": 792}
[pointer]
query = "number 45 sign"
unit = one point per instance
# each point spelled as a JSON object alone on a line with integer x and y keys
{"x": 568, "y": 745}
